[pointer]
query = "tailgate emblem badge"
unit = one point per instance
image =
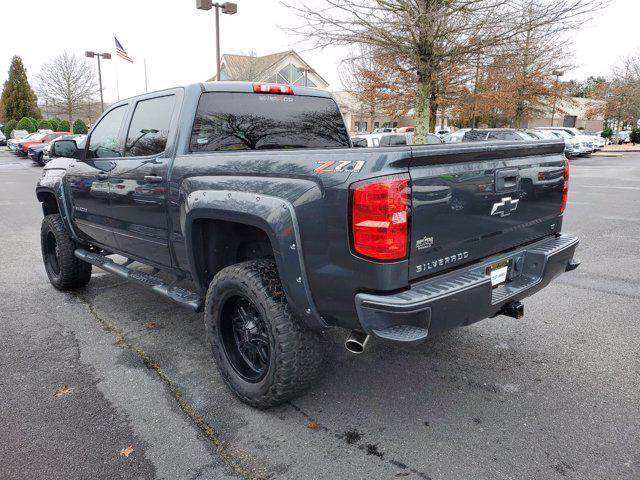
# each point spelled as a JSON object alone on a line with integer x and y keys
{"x": 505, "y": 207}
{"x": 424, "y": 242}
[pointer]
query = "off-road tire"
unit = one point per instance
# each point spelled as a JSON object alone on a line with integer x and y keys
{"x": 295, "y": 351}
{"x": 71, "y": 272}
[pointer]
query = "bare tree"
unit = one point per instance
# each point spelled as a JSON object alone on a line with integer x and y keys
{"x": 621, "y": 93}
{"x": 431, "y": 36}
{"x": 67, "y": 84}
{"x": 366, "y": 92}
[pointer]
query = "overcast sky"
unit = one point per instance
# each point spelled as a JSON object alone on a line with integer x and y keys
{"x": 178, "y": 41}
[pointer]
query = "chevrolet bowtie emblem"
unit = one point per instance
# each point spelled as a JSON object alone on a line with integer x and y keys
{"x": 505, "y": 207}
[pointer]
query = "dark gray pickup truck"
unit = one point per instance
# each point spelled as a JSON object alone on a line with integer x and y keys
{"x": 249, "y": 201}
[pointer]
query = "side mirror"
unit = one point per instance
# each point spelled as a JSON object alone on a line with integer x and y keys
{"x": 359, "y": 142}
{"x": 65, "y": 148}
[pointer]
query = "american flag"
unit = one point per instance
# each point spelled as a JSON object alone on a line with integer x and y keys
{"x": 120, "y": 51}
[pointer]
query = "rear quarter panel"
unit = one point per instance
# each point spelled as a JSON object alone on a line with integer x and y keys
{"x": 321, "y": 202}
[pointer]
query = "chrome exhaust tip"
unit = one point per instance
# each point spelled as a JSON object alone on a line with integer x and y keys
{"x": 356, "y": 342}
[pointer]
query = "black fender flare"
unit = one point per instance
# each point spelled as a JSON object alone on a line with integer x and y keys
{"x": 52, "y": 185}
{"x": 277, "y": 218}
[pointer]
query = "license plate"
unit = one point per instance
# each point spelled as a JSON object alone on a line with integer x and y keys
{"x": 498, "y": 272}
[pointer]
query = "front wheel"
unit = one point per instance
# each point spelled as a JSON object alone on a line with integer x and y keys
{"x": 262, "y": 351}
{"x": 65, "y": 271}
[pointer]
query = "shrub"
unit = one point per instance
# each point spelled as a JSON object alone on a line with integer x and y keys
{"x": 55, "y": 124}
{"x": 635, "y": 135}
{"x": 34, "y": 123}
{"x": 44, "y": 124}
{"x": 607, "y": 132}
{"x": 64, "y": 126}
{"x": 79, "y": 127}
{"x": 9, "y": 127}
{"x": 25, "y": 123}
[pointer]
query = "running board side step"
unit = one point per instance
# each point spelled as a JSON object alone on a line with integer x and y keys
{"x": 177, "y": 294}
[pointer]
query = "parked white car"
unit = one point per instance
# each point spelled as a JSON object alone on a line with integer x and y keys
{"x": 598, "y": 140}
{"x": 623, "y": 136}
{"x": 571, "y": 146}
{"x": 456, "y": 137}
{"x": 585, "y": 142}
{"x": 594, "y": 138}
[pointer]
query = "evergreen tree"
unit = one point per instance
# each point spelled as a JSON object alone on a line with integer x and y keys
{"x": 18, "y": 99}
{"x": 79, "y": 127}
{"x": 64, "y": 126}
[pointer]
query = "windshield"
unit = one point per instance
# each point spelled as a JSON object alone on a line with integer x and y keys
{"x": 563, "y": 133}
{"x": 546, "y": 134}
{"x": 250, "y": 121}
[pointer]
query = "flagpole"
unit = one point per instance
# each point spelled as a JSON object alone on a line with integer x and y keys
{"x": 117, "y": 82}
{"x": 146, "y": 85}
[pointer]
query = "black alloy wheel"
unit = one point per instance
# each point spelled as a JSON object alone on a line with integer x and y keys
{"x": 245, "y": 339}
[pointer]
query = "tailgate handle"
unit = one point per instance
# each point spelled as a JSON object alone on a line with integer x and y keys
{"x": 153, "y": 178}
{"x": 507, "y": 180}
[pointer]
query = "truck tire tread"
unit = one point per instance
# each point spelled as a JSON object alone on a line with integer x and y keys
{"x": 297, "y": 349}
{"x": 74, "y": 273}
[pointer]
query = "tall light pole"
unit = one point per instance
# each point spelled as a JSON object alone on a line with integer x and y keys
{"x": 558, "y": 74}
{"x": 228, "y": 8}
{"x": 106, "y": 56}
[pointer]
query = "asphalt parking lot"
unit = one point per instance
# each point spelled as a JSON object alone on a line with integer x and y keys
{"x": 554, "y": 395}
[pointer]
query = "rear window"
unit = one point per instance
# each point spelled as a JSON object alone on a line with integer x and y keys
{"x": 250, "y": 121}
{"x": 474, "y": 135}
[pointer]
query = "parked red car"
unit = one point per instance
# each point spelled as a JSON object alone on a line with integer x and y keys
{"x": 45, "y": 138}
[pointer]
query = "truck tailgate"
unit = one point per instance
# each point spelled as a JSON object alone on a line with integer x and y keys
{"x": 474, "y": 200}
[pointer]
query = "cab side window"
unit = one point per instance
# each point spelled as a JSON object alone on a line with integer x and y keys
{"x": 103, "y": 142}
{"x": 149, "y": 129}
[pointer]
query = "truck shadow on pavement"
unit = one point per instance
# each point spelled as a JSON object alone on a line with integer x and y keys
{"x": 381, "y": 412}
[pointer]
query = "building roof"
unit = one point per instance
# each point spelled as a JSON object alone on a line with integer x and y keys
{"x": 238, "y": 65}
{"x": 579, "y": 107}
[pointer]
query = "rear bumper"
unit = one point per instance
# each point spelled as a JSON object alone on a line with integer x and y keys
{"x": 465, "y": 295}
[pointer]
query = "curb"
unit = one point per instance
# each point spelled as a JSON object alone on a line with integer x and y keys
{"x": 607, "y": 154}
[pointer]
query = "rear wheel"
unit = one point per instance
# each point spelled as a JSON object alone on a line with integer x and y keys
{"x": 262, "y": 351}
{"x": 65, "y": 271}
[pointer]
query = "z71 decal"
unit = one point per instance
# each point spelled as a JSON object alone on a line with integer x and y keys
{"x": 342, "y": 166}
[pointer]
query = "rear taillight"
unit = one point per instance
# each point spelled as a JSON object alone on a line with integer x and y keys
{"x": 380, "y": 218}
{"x": 565, "y": 188}
{"x": 272, "y": 88}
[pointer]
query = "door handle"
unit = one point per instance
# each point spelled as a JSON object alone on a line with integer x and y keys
{"x": 102, "y": 176}
{"x": 153, "y": 178}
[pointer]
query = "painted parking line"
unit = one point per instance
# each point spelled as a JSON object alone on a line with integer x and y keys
{"x": 619, "y": 187}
